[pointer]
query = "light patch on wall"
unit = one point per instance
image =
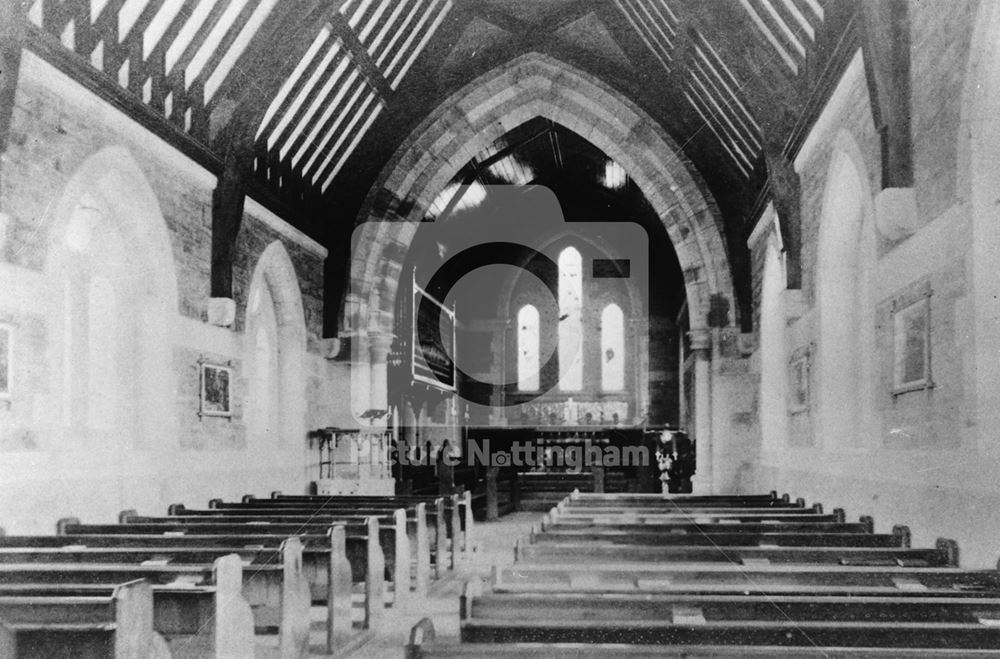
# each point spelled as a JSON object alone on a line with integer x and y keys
{"x": 612, "y": 348}
{"x": 6, "y": 359}
{"x": 512, "y": 170}
{"x": 528, "y": 342}
{"x": 614, "y": 176}
{"x": 81, "y": 228}
{"x": 471, "y": 196}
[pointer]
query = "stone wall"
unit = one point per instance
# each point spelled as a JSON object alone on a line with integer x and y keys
{"x": 921, "y": 457}
{"x": 73, "y": 159}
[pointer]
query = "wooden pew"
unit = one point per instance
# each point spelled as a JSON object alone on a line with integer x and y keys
{"x": 416, "y": 524}
{"x": 110, "y": 621}
{"x": 456, "y": 517}
{"x": 644, "y": 577}
{"x": 325, "y": 551}
{"x": 572, "y": 517}
{"x": 602, "y": 525}
{"x": 924, "y": 622}
{"x": 423, "y": 645}
{"x": 199, "y": 610}
{"x": 440, "y": 517}
{"x": 840, "y": 555}
{"x": 751, "y": 500}
{"x": 277, "y": 586}
{"x": 672, "y": 508}
{"x": 592, "y": 537}
{"x": 753, "y": 576}
{"x": 395, "y": 536}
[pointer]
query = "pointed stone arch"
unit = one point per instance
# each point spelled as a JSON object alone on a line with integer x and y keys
{"x": 530, "y": 86}
{"x": 846, "y": 326}
{"x": 110, "y": 192}
{"x": 275, "y": 282}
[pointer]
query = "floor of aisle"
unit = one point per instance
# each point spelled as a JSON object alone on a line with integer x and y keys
{"x": 493, "y": 544}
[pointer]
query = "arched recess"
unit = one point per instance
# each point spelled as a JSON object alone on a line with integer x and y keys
{"x": 529, "y": 86}
{"x": 111, "y": 301}
{"x": 979, "y": 169}
{"x": 843, "y": 296}
{"x": 111, "y": 274}
{"x": 773, "y": 350}
{"x": 275, "y": 346}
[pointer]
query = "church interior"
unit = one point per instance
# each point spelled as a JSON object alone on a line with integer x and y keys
{"x": 477, "y": 328}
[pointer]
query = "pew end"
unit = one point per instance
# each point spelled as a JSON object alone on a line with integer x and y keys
{"x": 839, "y": 515}
{"x": 401, "y": 562}
{"x": 786, "y": 497}
{"x": 214, "y": 503}
{"x": 496, "y": 575}
{"x": 339, "y": 627}
{"x": 774, "y": 494}
{"x": 546, "y": 522}
{"x": 818, "y": 507}
{"x": 949, "y": 548}
{"x": 467, "y": 538}
{"x": 133, "y": 618}
{"x": 233, "y": 624}
{"x": 456, "y": 531}
{"x": 473, "y": 588}
{"x": 178, "y": 508}
{"x": 423, "y": 551}
{"x": 869, "y": 523}
{"x": 902, "y": 532}
{"x": 65, "y": 523}
{"x": 422, "y": 632}
{"x": 441, "y": 536}
{"x": 296, "y": 600}
{"x": 275, "y": 494}
{"x": 247, "y": 498}
{"x": 126, "y": 515}
{"x": 800, "y": 502}
{"x": 374, "y": 577}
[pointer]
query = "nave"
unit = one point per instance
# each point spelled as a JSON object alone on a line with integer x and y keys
{"x": 288, "y": 287}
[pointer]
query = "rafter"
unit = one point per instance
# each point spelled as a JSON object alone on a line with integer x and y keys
{"x": 12, "y": 38}
{"x": 887, "y": 66}
{"x": 360, "y": 55}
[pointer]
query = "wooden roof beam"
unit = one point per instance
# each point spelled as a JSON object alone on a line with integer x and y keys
{"x": 887, "y": 68}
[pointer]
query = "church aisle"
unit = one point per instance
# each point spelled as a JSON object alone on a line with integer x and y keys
{"x": 493, "y": 545}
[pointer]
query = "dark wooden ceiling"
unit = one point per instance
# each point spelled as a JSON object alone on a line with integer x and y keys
{"x": 311, "y": 97}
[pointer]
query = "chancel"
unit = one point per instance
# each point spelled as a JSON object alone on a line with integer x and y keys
{"x": 484, "y": 328}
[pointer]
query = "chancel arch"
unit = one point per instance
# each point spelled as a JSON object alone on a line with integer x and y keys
{"x": 529, "y": 86}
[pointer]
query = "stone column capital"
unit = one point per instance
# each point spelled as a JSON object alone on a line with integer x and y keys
{"x": 701, "y": 339}
{"x": 379, "y": 345}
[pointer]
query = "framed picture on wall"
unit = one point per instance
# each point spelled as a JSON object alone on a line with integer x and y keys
{"x": 911, "y": 337}
{"x": 6, "y": 359}
{"x": 216, "y": 390}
